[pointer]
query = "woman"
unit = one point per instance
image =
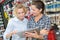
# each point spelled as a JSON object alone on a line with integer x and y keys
{"x": 39, "y": 19}
{"x": 16, "y": 24}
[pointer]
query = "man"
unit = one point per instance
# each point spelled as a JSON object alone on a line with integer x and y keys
{"x": 39, "y": 19}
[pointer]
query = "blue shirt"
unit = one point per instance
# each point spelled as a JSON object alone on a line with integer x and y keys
{"x": 44, "y": 22}
{"x": 15, "y": 24}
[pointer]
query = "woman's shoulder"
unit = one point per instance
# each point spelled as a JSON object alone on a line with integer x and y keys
{"x": 26, "y": 19}
{"x": 46, "y": 17}
{"x": 11, "y": 19}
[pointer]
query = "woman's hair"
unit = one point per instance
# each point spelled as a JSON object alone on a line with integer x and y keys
{"x": 19, "y": 6}
{"x": 39, "y": 4}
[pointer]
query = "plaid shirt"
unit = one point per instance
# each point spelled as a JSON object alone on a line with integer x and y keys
{"x": 44, "y": 22}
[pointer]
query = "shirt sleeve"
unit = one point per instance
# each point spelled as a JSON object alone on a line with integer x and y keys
{"x": 47, "y": 27}
{"x": 8, "y": 29}
{"x": 47, "y": 24}
{"x": 29, "y": 25}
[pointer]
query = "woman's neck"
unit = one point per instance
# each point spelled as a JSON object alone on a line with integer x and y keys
{"x": 21, "y": 19}
{"x": 38, "y": 17}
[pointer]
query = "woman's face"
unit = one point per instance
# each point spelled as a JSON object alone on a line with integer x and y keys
{"x": 35, "y": 10}
{"x": 20, "y": 13}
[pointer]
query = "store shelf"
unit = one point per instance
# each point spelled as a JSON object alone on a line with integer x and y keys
{"x": 58, "y": 35}
{"x": 2, "y": 30}
{"x": 0, "y": 15}
{"x": 59, "y": 26}
{"x": 7, "y": 1}
{"x": 0, "y": 12}
{"x": 1, "y": 22}
{"x": 0, "y": 19}
{"x": 52, "y": 15}
{"x": 1, "y": 25}
{"x": 1, "y": 36}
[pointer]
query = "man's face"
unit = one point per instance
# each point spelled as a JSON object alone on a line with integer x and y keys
{"x": 35, "y": 10}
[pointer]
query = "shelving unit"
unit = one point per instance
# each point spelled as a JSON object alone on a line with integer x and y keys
{"x": 55, "y": 18}
{"x": 2, "y": 23}
{"x": 53, "y": 10}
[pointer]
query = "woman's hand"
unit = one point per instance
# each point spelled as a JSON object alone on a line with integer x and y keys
{"x": 44, "y": 32}
{"x": 33, "y": 35}
{"x": 14, "y": 32}
{"x": 11, "y": 33}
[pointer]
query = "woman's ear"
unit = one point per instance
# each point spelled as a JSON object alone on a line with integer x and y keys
{"x": 40, "y": 10}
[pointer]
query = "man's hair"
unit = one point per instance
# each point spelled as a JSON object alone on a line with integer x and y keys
{"x": 39, "y": 4}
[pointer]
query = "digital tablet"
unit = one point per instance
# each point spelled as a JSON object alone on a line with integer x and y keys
{"x": 21, "y": 34}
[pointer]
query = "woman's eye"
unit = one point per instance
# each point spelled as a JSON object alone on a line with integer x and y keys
{"x": 33, "y": 10}
{"x": 22, "y": 12}
{"x": 19, "y": 13}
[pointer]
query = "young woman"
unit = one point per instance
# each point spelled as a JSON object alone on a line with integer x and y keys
{"x": 39, "y": 19}
{"x": 18, "y": 23}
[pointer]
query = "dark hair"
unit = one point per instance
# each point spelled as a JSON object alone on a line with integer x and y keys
{"x": 39, "y": 4}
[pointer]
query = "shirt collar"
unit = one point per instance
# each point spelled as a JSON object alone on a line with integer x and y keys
{"x": 16, "y": 19}
{"x": 40, "y": 18}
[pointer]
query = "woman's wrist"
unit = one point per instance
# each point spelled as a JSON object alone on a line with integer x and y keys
{"x": 39, "y": 37}
{"x": 9, "y": 35}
